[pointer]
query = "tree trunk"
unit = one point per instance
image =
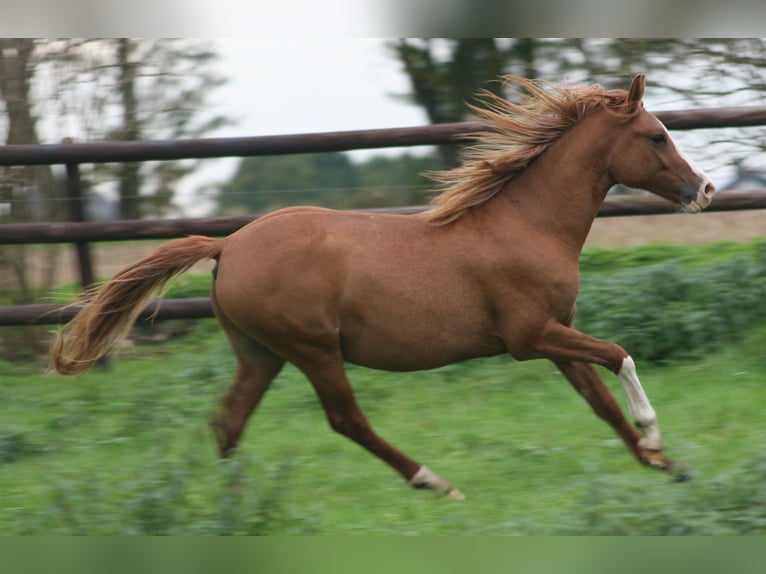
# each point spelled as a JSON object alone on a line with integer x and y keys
{"x": 130, "y": 178}
{"x": 30, "y": 188}
{"x": 32, "y": 185}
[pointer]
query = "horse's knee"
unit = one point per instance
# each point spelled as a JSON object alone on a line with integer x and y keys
{"x": 348, "y": 426}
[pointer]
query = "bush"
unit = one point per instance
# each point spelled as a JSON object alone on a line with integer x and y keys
{"x": 171, "y": 497}
{"x": 674, "y": 309}
{"x": 16, "y": 445}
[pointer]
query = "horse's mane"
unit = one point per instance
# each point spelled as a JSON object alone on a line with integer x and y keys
{"x": 517, "y": 133}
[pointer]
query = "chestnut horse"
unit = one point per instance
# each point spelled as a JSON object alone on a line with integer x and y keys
{"x": 492, "y": 267}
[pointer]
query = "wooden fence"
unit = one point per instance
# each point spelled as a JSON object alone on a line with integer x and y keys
{"x": 81, "y": 233}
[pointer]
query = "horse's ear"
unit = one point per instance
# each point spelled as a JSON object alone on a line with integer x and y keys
{"x": 636, "y": 93}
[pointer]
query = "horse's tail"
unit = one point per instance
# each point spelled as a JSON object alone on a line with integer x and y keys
{"x": 109, "y": 315}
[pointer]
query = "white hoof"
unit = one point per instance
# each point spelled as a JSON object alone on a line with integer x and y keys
{"x": 652, "y": 440}
{"x": 425, "y": 478}
{"x": 455, "y": 494}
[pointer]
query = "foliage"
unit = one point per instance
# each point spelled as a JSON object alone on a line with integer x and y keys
{"x": 100, "y": 89}
{"x": 127, "y": 451}
{"x": 443, "y": 85}
{"x": 731, "y": 503}
{"x": 15, "y": 445}
{"x": 679, "y": 308}
{"x": 264, "y": 183}
{"x": 92, "y": 89}
{"x": 610, "y": 260}
{"x": 161, "y": 500}
{"x": 27, "y": 193}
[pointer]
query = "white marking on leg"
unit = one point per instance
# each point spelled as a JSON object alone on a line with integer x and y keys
{"x": 640, "y": 407}
{"x": 426, "y": 478}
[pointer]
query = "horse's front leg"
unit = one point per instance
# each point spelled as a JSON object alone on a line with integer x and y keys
{"x": 571, "y": 350}
{"x": 588, "y": 383}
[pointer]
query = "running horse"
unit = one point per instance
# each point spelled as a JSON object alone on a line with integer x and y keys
{"x": 492, "y": 267}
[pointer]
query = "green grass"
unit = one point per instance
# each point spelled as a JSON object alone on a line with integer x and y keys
{"x": 127, "y": 450}
{"x": 608, "y": 260}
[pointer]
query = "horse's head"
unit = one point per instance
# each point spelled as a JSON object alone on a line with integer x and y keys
{"x": 644, "y": 156}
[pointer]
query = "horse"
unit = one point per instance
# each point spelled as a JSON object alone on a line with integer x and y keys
{"x": 492, "y": 267}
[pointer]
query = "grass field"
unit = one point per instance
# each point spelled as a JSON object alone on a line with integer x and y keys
{"x": 127, "y": 450}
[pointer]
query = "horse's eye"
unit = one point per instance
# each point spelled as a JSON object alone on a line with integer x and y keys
{"x": 659, "y": 139}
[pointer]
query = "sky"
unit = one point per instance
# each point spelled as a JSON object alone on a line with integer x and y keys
{"x": 295, "y": 85}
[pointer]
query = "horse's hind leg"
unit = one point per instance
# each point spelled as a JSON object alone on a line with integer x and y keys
{"x": 257, "y": 367}
{"x": 345, "y": 417}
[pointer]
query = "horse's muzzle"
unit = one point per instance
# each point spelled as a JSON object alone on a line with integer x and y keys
{"x": 702, "y": 199}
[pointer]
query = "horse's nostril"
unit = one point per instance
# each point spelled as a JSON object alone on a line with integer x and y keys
{"x": 709, "y": 189}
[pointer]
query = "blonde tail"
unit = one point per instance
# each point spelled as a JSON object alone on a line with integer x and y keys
{"x": 107, "y": 318}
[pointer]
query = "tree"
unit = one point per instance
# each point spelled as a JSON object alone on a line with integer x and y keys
{"x": 446, "y": 73}
{"x": 262, "y": 184}
{"x": 93, "y": 90}
{"x": 24, "y": 189}
{"x": 128, "y": 90}
{"x": 387, "y": 181}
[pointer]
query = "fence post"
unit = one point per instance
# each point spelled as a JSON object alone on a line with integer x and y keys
{"x": 76, "y": 203}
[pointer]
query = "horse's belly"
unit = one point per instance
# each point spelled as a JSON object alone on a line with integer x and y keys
{"x": 416, "y": 343}
{"x": 394, "y": 359}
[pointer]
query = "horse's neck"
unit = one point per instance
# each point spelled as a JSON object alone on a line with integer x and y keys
{"x": 561, "y": 191}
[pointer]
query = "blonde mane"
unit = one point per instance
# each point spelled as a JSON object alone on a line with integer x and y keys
{"x": 517, "y": 134}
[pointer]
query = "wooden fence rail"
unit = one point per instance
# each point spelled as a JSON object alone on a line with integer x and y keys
{"x": 81, "y": 232}
{"x": 105, "y": 152}
{"x": 91, "y": 231}
{"x": 51, "y": 313}
{"x": 40, "y": 314}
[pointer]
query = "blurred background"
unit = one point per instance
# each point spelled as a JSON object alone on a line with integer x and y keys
{"x": 130, "y": 89}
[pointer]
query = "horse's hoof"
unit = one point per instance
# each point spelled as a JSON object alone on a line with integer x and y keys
{"x": 656, "y": 459}
{"x": 683, "y": 476}
{"x": 455, "y": 494}
{"x": 680, "y": 472}
{"x": 425, "y": 478}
